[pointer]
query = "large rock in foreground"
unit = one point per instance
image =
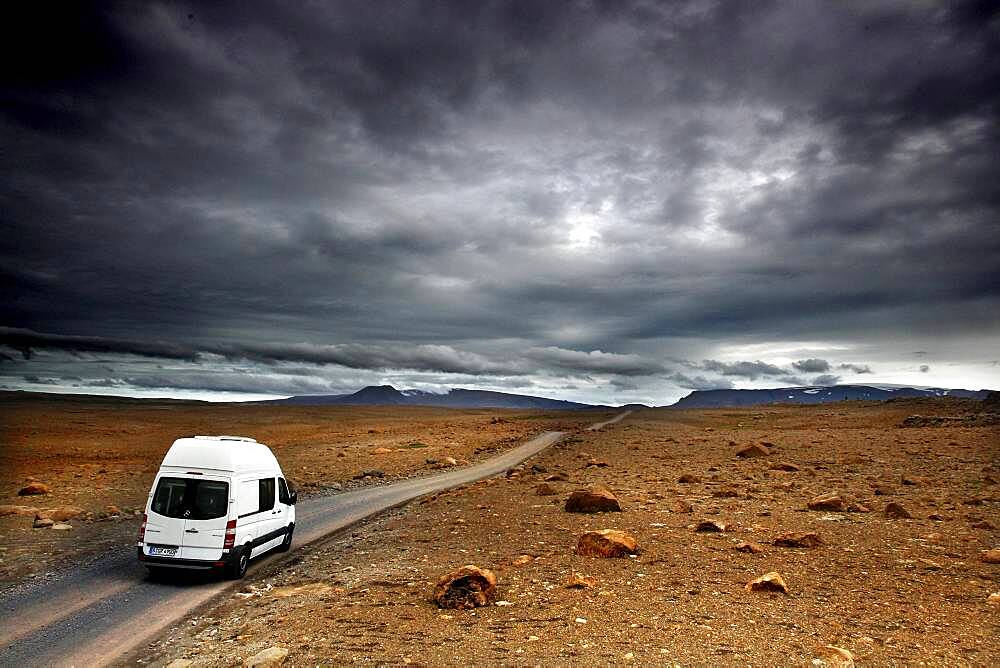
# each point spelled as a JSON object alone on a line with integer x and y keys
{"x": 466, "y": 587}
{"x": 752, "y": 450}
{"x": 768, "y": 582}
{"x": 607, "y": 543}
{"x": 33, "y": 488}
{"x": 831, "y": 502}
{"x": 272, "y": 656}
{"x": 593, "y": 500}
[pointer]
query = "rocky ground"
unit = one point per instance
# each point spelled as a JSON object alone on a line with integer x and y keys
{"x": 882, "y": 589}
{"x": 95, "y": 459}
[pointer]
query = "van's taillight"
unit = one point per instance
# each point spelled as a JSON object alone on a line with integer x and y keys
{"x": 230, "y": 535}
{"x": 142, "y": 529}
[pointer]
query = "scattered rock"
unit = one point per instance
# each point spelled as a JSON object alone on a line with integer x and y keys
{"x": 61, "y": 527}
{"x": 112, "y": 510}
{"x": 545, "y": 489}
{"x": 768, "y": 582}
{"x": 466, "y": 587}
{"x": 830, "y": 501}
{"x": 896, "y": 511}
{"x": 783, "y": 466}
{"x": 381, "y": 451}
{"x": 983, "y": 524}
{"x": 62, "y": 513}
{"x": 834, "y": 657}
{"x": 688, "y": 479}
{"x": 597, "y": 463}
{"x": 681, "y": 506}
{"x": 993, "y": 599}
{"x": 937, "y": 517}
{"x": 710, "y": 526}
{"x": 798, "y": 539}
{"x": 538, "y": 468}
{"x": 727, "y": 493}
{"x": 595, "y": 500}
{"x": 370, "y": 473}
{"x": 990, "y": 556}
{"x": 750, "y": 548}
{"x": 449, "y": 461}
{"x": 33, "y": 488}
{"x": 911, "y": 480}
{"x": 17, "y": 510}
{"x": 42, "y": 523}
{"x": 522, "y": 560}
{"x": 577, "y": 581}
{"x": 180, "y": 663}
{"x": 752, "y": 450}
{"x": 272, "y": 656}
{"x": 606, "y": 543}
{"x": 930, "y": 565}
{"x": 555, "y": 477}
{"x": 858, "y": 508}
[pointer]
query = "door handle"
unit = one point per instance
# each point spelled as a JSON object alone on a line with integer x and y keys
{"x": 190, "y": 531}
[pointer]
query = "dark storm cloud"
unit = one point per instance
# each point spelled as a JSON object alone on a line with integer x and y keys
{"x": 856, "y": 368}
{"x": 499, "y": 188}
{"x": 700, "y": 382}
{"x": 826, "y": 379}
{"x": 751, "y": 370}
{"x": 812, "y": 365}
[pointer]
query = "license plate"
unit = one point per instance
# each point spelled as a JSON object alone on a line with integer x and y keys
{"x": 163, "y": 551}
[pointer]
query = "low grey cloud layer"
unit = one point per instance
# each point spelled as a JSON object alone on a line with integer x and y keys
{"x": 575, "y": 198}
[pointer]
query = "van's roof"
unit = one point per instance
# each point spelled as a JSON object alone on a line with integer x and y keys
{"x": 220, "y": 453}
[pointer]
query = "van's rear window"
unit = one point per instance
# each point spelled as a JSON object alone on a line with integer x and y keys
{"x": 191, "y": 498}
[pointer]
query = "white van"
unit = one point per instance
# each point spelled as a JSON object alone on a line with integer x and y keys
{"x": 216, "y": 502}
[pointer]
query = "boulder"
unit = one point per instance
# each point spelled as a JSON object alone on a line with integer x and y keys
{"x": 597, "y": 463}
{"x": 17, "y": 510}
{"x": 593, "y": 500}
{"x": 749, "y": 548}
{"x": 830, "y": 501}
{"x": 466, "y": 587}
{"x": 272, "y": 656}
{"x": 381, "y": 451}
{"x": 449, "y": 461}
{"x": 752, "y": 450}
{"x": 858, "y": 508}
{"x": 577, "y": 581}
{"x": 834, "y": 657}
{"x": 688, "y": 479}
{"x": 545, "y": 489}
{"x": 606, "y": 543}
{"x": 60, "y": 526}
{"x": 726, "y": 493}
{"x": 993, "y": 599}
{"x": 555, "y": 477}
{"x": 42, "y": 523}
{"x": 798, "y": 539}
{"x": 33, "y": 488}
{"x": 784, "y": 466}
{"x": 896, "y": 511}
{"x": 768, "y": 582}
{"x": 681, "y": 506}
{"x": 710, "y": 526}
{"x": 112, "y": 509}
{"x": 990, "y": 556}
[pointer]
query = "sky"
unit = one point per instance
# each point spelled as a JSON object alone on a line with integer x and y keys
{"x": 596, "y": 201}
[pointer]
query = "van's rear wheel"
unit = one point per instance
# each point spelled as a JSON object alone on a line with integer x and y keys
{"x": 286, "y": 544}
{"x": 237, "y": 568}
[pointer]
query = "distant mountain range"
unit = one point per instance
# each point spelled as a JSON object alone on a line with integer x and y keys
{"x": 815, "y": 395}
{"x": 387, "y": 395}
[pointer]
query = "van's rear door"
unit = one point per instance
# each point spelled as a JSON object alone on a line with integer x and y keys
{"x": 205, "y": 524}
{"x": 164, "y": 524}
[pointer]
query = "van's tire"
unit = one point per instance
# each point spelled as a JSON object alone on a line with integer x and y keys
{"x": 237, "y": 567}
{"x": 286, "y": 544}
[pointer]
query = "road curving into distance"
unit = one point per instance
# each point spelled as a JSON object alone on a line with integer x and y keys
{"x": 101, "y": 611}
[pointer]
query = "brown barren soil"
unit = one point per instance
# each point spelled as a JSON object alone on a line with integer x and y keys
{"x": 94, "y": 452}
{"x": 889, "y": 591}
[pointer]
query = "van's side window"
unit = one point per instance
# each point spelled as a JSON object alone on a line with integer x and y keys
{"x": 266, "y": 494}
{"x": 283, "y": 495}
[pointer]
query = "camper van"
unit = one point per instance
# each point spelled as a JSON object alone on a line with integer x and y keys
{"x": 216, "y": 503}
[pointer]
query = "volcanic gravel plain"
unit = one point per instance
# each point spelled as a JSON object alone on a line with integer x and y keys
{"x": 866, "y": 585}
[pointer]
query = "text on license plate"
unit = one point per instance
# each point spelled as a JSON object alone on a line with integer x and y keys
{"x": 163, "y": 551}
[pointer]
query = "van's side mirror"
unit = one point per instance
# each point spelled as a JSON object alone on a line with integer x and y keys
{"x": 293, "y": 497}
